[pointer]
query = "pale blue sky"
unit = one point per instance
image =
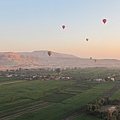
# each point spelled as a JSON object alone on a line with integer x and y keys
{"x": 28, "y": 25}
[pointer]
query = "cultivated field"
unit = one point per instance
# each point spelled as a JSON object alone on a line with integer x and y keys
{"x": 54, "y": 100}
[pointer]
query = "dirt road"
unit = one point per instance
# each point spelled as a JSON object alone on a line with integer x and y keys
{"x": 7, "y": 83}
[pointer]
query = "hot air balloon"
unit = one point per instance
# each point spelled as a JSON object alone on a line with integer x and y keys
{"x": 104, "y": 21}
{"x": 90, "y": 58}
{"x": 63, "y": 26}
{"x": 87, "y": 39}
{"x": 58, "y": 70}
{"x": 95, "y": 60}
{"x": 49, "y": 53}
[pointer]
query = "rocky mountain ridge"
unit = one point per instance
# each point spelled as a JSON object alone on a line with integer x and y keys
{"x": 41, "y": 59}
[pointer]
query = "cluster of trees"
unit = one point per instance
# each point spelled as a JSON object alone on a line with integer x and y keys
{"x": 94, "y": 109}
{"x": 58, "y": 70}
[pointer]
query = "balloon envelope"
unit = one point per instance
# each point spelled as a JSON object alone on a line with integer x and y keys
{"x": 104, "y": 21}
{"x": 90, "y": 58}
{"x": 63, "y": 26}
{"x": 87, "y": 39}
{"x": 49, "y": 53}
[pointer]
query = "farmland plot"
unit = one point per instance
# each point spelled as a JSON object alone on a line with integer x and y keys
{"x": 20, "y": 95}
{"x": 60, "y": 110}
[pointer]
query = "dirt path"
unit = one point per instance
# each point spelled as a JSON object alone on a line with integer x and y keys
{"x": 26, "y": 110}
{"x": 111, "y": 91}
{"x": 7, "y": 83}
{"x": 72, "y": 115}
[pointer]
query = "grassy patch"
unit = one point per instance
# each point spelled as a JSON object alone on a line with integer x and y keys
{"x": 56, "y": 98}
{"x": 116, "y": 95}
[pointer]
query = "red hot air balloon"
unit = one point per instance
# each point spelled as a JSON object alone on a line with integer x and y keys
{"x": 63, "y": 26}
{"x": 104, "y": 21}
{"x": 49, "y": 53}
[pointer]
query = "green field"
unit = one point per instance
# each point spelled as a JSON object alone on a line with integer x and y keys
{"x": 65, "y": 96}
{"x": 116, "y": 95}
{"x": 69, "y": 105}
{"x": 14, "y": 95}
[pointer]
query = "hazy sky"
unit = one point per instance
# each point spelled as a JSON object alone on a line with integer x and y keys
{"x": 28, "y": 25}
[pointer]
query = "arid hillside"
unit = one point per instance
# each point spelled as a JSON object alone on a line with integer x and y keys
{"x": 41, "y": 59}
